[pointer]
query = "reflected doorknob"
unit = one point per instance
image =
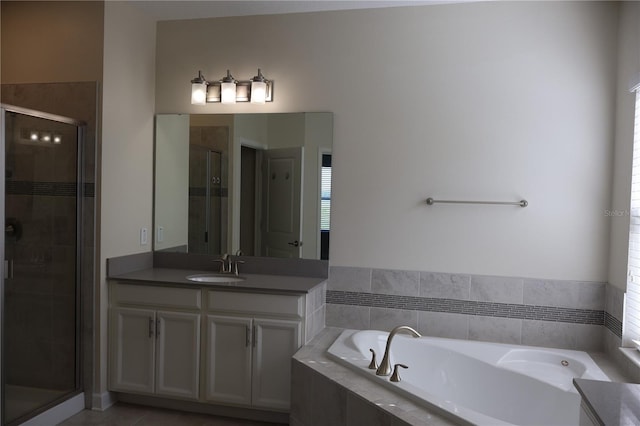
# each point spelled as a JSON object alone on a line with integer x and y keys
{"x": 295, "y": 243}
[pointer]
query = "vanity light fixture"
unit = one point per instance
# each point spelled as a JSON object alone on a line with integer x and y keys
{"x": 228, "y": 90}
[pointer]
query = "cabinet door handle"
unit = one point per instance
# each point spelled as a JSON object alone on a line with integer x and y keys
{"x": 158, "y": 328}
{"x": 248, "y": 336}
{"x": 255, "y": 336}
{"x": 150, "y": 327}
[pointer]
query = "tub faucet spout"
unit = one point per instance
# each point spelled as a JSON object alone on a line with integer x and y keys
{"x": 385, "y": 365}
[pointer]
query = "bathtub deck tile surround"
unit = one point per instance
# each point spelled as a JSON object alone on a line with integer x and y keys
{"x": 562, "y": 335}
{"x": 325, "y": 392}
{"x": 445, "y": 286}
{"x": 614, "y": 307}
{"x": 386, "y": 319}
{"x": 568, "y": 294}
{"x": 497, "y": 289}
{"x": 499, "y": 330}
{"x": 499, "y": 309}
{"x": 443, "y": 324}
{"x": 351, "y": 279}
{"x": 405, "y": 283}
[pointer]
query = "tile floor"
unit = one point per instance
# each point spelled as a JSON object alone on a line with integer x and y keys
{"x": 122, "y": 414}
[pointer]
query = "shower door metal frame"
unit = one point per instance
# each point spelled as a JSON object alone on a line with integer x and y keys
{"x": 80, "y": 178}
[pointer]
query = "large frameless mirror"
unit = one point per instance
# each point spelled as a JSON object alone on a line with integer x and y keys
{"x": 256, "y": 184}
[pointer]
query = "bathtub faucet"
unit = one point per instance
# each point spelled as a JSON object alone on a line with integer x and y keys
{"x": 385, "y": 365}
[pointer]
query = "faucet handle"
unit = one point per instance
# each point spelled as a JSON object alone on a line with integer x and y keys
{"x": 373, "y": 365}
{"x": 221, "y": 264}
{"x": 395, "y": 377}
{"x": 235, "y": 266}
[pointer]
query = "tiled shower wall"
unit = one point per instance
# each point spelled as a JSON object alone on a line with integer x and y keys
{"x": 562, "y": 314}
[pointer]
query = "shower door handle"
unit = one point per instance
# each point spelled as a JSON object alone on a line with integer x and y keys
{"x": 8, "y": 269}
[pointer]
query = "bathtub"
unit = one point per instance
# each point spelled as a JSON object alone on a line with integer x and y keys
{"x": 477, "y": 382}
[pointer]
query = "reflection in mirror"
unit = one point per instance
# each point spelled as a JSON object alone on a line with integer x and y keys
{"x": 259, "y": 184}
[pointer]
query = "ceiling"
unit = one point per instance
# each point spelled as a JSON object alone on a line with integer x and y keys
{"x": 165, "y": 10}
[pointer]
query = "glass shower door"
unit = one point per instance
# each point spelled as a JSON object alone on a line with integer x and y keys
{"x": 40, "y": 346}
{"x": 204, "y": 200}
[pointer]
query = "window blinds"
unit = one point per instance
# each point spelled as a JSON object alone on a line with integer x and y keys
{"x": 631, "y": 326}
{"x": 325, "y": 201}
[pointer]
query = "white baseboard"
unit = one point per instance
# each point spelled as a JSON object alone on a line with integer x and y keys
{"x": 59, "y": 413}
{"x": 102, "y": 401}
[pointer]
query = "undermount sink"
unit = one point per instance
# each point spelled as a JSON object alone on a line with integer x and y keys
{"x": 210, "y": 278}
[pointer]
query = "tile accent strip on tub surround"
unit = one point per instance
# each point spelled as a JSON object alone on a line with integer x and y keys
{"x": 614, "y": 308}
{"x": 468, "y": 307}
{"x": 503, "y": 297}
{"x": 613, "y": 324}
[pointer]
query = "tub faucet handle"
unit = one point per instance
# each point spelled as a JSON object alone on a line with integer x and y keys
{"x": 373, "y": 365}
{"x": 395, "y": 377}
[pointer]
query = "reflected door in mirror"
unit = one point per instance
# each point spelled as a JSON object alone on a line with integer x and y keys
{"x": 282, "y": 193}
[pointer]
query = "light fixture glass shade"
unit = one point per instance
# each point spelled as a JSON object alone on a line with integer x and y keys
{"x": 199, "y": 90}
{"x": 228, "y": 93}
{"x": 198, "y": 93}
{"x": 228, "y": 89}
{"x": 258, "y": 92}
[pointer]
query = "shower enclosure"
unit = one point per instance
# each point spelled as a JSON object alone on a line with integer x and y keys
{"x": 40, "y": 298}
{"x": 208, "y": 198}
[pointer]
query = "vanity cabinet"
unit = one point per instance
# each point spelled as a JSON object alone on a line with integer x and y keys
{"x": 154, "y": 339}
{"x": 220, "y": 347}
{"x": 250, "y": 341}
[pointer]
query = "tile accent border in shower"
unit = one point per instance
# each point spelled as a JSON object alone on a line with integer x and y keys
{"x": 557, "y": 313}
{"x": 52, "y": 189}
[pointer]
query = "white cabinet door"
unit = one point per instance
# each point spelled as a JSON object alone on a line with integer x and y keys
{"x": 178, "y": 354}
{"x": 228, "y": 359}
{"x": 132, "y": 346}
{"x": 275, "y": 343}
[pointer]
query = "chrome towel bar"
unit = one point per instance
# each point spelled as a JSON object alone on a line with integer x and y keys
{"x": 521, "y": 203}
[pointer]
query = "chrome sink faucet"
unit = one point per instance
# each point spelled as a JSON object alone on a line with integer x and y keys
{"x": 227, "y": 265}
{"x": 385, "y": 366}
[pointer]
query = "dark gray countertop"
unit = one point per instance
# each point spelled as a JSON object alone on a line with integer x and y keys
{"x": 252, "y": 283}
{"x": 612, "y": 402}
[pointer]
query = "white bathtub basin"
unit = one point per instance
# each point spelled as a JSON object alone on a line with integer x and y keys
{"x": 477, "y": 382}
